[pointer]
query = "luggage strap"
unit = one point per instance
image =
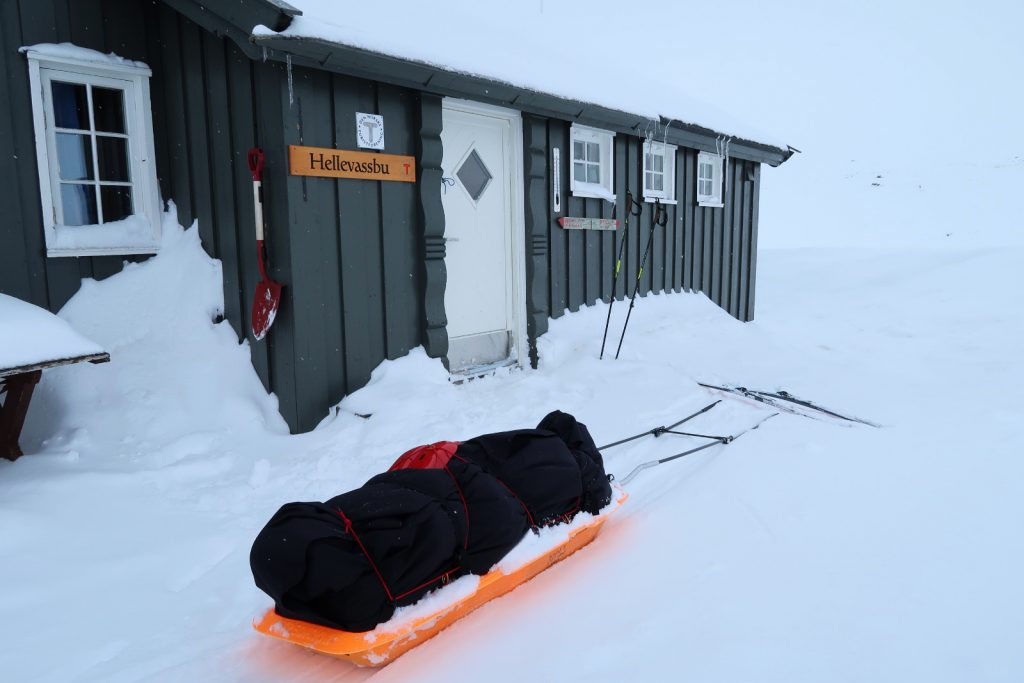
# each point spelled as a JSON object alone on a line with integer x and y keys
{"x": 350, "y": 529}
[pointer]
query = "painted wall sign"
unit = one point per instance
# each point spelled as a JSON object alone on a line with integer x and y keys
{"x": 370, "y": 130}
{"x": 570, "y": 223}
{"x": 556, "y": 180}
{"x": 342, "y": 163}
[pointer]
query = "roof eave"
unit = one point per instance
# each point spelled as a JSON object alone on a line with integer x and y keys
{"x": 329, "y": 56}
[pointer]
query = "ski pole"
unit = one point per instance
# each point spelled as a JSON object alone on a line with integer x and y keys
{"x": 660, "y": 218}
{"x": 725, "y": 441}
{"x": 630, "y": 202}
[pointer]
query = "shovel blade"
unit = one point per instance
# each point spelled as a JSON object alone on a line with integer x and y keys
{"x": 264, "y": 307}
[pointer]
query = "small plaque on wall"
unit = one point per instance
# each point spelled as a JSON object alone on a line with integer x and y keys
{"x": 370, "y": 130}
{"x": 570, "y": 223}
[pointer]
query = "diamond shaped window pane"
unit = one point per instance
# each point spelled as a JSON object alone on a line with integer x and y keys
{"x": 474, "y": 175}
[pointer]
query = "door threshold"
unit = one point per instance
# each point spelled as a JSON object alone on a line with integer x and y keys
{"x": 480, "y": 371}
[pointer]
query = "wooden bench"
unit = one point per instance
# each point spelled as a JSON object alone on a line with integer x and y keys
{"x": 17, "y": 385}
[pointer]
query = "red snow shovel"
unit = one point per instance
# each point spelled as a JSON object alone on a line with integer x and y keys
{"x": 268, "y": 292}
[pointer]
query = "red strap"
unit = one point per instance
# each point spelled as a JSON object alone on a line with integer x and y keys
{"x": 349, "y": 528}
{"x": 533, "y": 525}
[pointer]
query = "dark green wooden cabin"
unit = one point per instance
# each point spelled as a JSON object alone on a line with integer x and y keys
{"x": 469, "y": 261}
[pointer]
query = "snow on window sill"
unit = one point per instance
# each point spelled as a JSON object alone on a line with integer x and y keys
{"x": 593, "y": 191}
{"x": 132, "y": 235}
{"x": 711, "y": 205}
{"x": 651, "y": 200}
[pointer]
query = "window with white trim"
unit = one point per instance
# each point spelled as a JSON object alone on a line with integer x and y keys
{"x": 709, "y": 179}
{"x": 592, "y": 162}
{"x": 94, "y": 149}
{"x": 659, "y": 172}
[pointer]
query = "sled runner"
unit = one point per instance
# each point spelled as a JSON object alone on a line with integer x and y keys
{"x": 388, "y": 642}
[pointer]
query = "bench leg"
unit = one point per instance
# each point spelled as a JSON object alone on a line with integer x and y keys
{"x": 19, "y": 390}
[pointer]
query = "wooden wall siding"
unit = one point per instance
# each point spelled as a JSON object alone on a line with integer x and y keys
{"x": 710, "y": 250}
{"x": 210, "y": 104}
{"x": 355, "y": 273}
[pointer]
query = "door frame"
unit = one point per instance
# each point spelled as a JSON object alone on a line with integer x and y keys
{"x": 520, "y": 348}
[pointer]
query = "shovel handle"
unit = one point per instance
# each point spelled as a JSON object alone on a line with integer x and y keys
{"x": 256, "y": 159}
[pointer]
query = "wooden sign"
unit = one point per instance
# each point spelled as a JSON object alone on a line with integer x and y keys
{"x": 342, "y": 163}
{"x": 570, "y": 223}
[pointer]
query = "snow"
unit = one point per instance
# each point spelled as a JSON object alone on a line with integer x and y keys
{"x": 71, "y": 52}
{"x": 30, "y": 335}
{"x": 134, "y": 230}
{"x": 804, "y": 551}
{"x": 520, "y": 48}
{"x": 800, "y": 551}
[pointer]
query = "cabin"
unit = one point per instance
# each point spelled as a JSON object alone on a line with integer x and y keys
{"x": 406, "y": 204}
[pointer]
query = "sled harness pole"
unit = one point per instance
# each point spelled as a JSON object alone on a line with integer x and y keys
{"x": 660, "y": 219}
{"x": 630, "y": 203}
{"x": 658, "y": 431}
{"x": 724, "y": 440}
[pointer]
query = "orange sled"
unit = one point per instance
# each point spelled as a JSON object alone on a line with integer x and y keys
{"x": 387, "y": 643}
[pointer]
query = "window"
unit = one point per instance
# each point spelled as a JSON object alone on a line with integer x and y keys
{"x": 592, "y": 163}
{"x": 709, "y": 179}
{"x": 94, "y": 148}
{"x": 659, "y": 172}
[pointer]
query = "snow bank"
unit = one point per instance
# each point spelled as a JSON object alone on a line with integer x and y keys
{"x": 173, "y": 371}
{"x": 29, "y": 334}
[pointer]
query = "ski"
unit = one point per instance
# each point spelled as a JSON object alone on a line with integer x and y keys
{"x": 786, "y": 403}
{"x": 783, "y": 395}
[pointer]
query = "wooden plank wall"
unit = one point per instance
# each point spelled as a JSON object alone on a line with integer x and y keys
{"x": 210, "y": 104}
{"x": 357, "y": 249}
{"x": 701, "y": 249}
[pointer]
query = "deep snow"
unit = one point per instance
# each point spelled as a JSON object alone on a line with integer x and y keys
{"x": 804, "y": 551}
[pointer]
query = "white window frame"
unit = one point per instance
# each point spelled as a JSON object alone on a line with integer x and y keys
{"x": 716, "y": 161}
{"x": 133, "y": 79}
{"x": 605, "y": 141}
{"x": 667, "y": 195}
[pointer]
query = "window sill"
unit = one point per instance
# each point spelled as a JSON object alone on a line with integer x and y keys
{"x": 711, "y": 205}
{"x": 593, "y": 192}
{"x": 652, "y": 200}
{"x": 136, "y": 234}
{"x": 105, "y": 251}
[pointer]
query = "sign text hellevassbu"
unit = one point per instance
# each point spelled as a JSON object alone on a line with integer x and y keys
{"x": 339, "y": 163}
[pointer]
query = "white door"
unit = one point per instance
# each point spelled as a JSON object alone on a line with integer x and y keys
{"x": 481, "y": 254}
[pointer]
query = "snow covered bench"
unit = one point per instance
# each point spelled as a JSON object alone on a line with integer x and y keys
{"x": 31, "y": 340}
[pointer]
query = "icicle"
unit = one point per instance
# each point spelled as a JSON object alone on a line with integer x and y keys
{"x": 291, "y": 89}
{"x": 725, "y": 192}
{"x": 264, "y": 53}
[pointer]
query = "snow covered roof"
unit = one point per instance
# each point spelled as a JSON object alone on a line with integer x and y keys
{"x": 514, "y": 56}
{"x": 31, "y": 336}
